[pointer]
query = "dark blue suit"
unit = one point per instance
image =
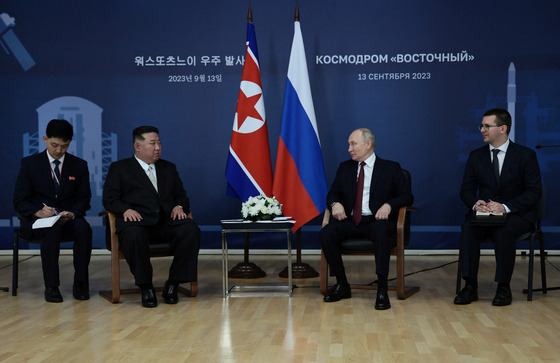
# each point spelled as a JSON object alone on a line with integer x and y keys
{"x": 35, "y": 186}
{"x": 519, "y": 188}
{"x": 388, "y": 185}
{"x": 128, "y": 187}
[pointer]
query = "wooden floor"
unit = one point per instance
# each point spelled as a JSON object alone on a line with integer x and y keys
{"x": 425, "y": 328}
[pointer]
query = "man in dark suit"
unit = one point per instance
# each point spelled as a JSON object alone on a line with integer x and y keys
{"x": 505, "y": 178}
{"x": 373, "y": 215}
{"x": 51, "y": 183}
{"x": 150, "y": 203}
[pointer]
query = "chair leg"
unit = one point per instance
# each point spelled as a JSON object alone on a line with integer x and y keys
{"x": 114, "y": 296}
{"x": 116, "y": 278}
{"x": 544, "y": 288}
{"x": 402, "y": 291}
{"x": 190, "y": 293}
{"x": 15, "y": 264}
{"x": 459, "y": 268}
{"x": 324, "y": 275}
{"x": 194, "y": 289}
{"x": 531, "y": 267}
{"x": 543, "y": 264}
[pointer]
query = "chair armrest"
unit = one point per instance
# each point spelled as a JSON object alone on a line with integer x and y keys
{"x": 326, "y": 218}
{"x": 401, "y": 221}
{"x": 114, "y": 239}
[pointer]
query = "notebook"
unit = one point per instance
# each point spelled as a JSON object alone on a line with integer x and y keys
{"x": 488, "y": 219}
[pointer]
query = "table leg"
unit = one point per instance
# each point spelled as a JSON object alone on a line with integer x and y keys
{"x": 246, "y": 269}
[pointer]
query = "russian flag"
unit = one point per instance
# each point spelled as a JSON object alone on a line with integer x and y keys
{"x": 299, "y": 179}
{"x": 248, "y": 169}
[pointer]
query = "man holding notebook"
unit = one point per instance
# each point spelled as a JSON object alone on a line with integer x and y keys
{"x": 56, "y": 183}
{"x": 501, "y": 178}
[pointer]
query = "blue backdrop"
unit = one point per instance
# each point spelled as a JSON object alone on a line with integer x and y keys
{"x": 419, "y": 74}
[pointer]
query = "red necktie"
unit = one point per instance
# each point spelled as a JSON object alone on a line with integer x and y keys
{"x": 357, "y": 215}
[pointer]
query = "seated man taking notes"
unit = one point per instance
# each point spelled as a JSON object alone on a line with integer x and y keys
{"x": 56, "y": 183}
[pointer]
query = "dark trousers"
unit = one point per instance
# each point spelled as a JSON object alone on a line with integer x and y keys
{"x": 184, "y": 240}
{"x": 503, "y": 238}
{"x": 379, "y": 232}
{"x": 77, "y": 230}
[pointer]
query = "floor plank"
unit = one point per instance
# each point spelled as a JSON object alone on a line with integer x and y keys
{"x": 427, "y": 327}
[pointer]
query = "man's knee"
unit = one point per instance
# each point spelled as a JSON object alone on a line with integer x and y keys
{"x": 81, "y": 228}
{"x": 189, "y": 230}
{"x": 326, "y": 236}
{"x": 382, "y": 229}
{"x": 134, "y": 235}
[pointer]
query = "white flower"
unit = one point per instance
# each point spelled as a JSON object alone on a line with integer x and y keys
{"x": 261, "y": 208}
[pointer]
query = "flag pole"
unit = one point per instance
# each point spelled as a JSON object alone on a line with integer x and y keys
{"x": 246, "y": 269}
{"x": 299, "y": 270}
{"x": 250, "y": 14}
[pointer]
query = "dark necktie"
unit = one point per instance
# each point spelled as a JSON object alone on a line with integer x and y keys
{"x": 57, "y": 176}
{"x": 357, "y": 215}
{"x": 57, "y": 170}
{"x": 496, "y": 163}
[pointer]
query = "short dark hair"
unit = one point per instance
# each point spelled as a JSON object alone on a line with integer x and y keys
{"x": 61, "y": 129}
{"x": 139, "y": 131}
{"x": 502, "y": 117}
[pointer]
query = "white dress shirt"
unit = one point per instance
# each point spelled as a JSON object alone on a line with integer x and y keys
{"x": 368, "y": 172}
{"x": 146, "y": 167}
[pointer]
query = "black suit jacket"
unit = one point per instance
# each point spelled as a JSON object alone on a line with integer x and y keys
{"x": 388, "y": 185}
{"x": 519, "y": 186}
{"x": 128, "y": 187}
{"x": 35, "y": 186}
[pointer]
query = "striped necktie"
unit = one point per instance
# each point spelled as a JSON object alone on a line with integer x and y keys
{"x": 56, "y": 170}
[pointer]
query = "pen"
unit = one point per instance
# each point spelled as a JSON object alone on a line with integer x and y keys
{"x": 478, "y": 205}
{"x": 55, "y": 211}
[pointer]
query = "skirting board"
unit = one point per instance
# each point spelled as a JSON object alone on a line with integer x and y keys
{"x": 99, "y": 252}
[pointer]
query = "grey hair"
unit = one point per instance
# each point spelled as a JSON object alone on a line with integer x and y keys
{"x": 368, "y": 135}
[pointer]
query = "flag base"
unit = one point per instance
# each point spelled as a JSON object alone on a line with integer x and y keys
{"x": 246, "y": 270}
{"x": 299, "y": 271}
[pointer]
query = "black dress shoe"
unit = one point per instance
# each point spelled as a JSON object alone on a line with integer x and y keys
{"x": 382, "y": 301}
{"x": 503, "y": 296}
{"x": 149, "y": 299}
{"x": 338, "y": 292}
{"x": 170, "y": 293}
{"x": 52, "y": 295}
{"x": 80, "y": 290}
{"x": 466, "y": 296}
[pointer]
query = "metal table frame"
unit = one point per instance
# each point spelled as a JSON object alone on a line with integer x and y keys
{"x": 228, "y": 227}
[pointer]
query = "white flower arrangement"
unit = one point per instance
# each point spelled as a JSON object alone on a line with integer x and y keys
{"x": 261, "y": 208}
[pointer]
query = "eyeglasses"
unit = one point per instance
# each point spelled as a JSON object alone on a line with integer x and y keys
{"x": 486, "y": 127}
